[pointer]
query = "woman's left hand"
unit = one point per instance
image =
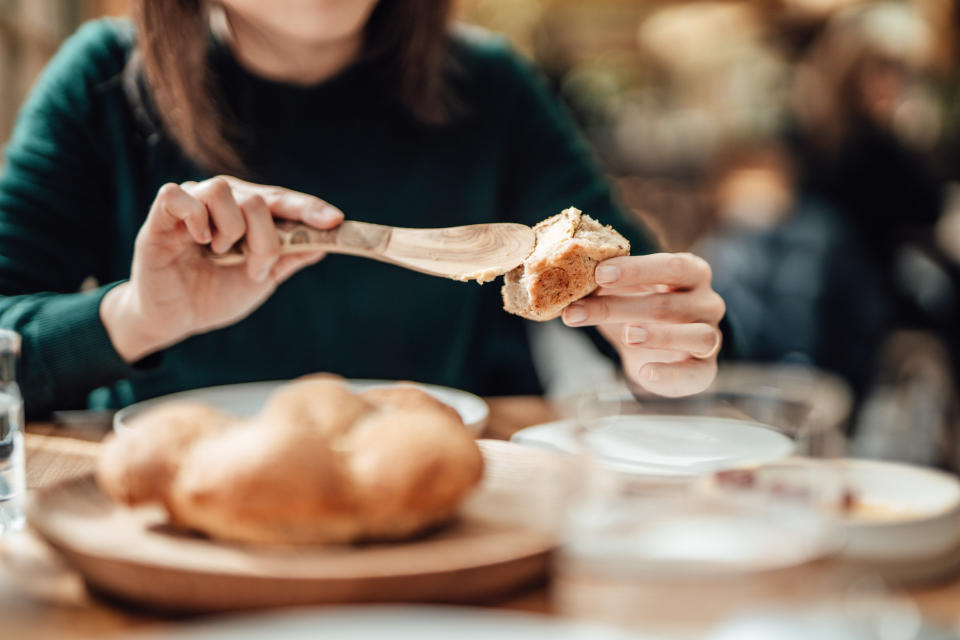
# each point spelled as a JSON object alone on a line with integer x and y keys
{"x": 662, "y": 316}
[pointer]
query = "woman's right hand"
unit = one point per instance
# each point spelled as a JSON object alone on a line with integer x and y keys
{"x": 175, "y": 292}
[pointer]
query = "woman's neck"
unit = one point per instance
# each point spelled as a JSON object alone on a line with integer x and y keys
{"x": 274, "y": 57}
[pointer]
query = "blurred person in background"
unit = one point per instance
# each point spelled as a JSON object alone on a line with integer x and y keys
{"x": 864, "y": 127}
{"x": 790, "y": 269}
{"x": 375, "y": 109}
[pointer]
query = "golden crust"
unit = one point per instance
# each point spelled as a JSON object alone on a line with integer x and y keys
{"x": 408, "y": 398}
{"x": 321, "y": 403}
{"x": 411, "y": 469}
{"x": 137, "y": 465}
{"x": 262, "y": 484}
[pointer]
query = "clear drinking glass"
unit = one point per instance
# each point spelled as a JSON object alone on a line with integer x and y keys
{"x": 679, "y": 562}
{"x": 751, "y": 415}
{"x": 646, "y": 547}
{"x": 12, "y": 469}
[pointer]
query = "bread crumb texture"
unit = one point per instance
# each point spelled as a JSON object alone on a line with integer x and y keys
{"x": 560, "y": 270}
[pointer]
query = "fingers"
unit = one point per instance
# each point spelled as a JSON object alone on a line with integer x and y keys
{"x": 702, "y": 305}
{"x": 263, "y": 243}
{"x": 662, "y": 314}
{"x": 290, "y": 264}
{"x": 633, "y": 290}
{"x": 301, "y": 207}
{"x": 220, "y": 195}
{"x": 677, "y": 379}
{"x": 174, "y": 205}
{"x": 640, "y": 273}
{"x": 237, "y": 208}
{"x": 292, "y": 205}
{"x": 224, "y": 212}
{"x": 698, "y": 339}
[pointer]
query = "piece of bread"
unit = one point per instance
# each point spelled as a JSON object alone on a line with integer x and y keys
{"x": 411, "y": 469}
{"x": 319, "y": 464}
{"x": 137, "y": 465}
{"x": 266, "y": 483}
{"x": 321, "y": 403}
{"x": 560, "y": 270}
{"x": 408, "y": 398}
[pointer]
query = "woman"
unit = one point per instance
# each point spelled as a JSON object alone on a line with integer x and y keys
{"x": 861, "y": 121}
{"x": 373, "y": 109}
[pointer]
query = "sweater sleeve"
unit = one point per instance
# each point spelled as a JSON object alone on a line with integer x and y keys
{"x": 55, "y": 228}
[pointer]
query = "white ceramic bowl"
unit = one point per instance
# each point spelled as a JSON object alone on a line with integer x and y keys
{"x": 245, "y": 400}
{"x": 899, "y": 512}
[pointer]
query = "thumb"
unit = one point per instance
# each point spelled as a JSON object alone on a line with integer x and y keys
{"x": 289, "y": 264}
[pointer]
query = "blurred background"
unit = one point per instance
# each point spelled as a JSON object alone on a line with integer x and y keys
{"x": 808, "y": 149}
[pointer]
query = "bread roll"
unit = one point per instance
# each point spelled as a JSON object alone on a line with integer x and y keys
{"x": 137, "y": 465}
{"x": 408, "y": 398}
{"x": 411, "y": 469}
{"x": 560, "y": 269}
{"x": 321, "y": 403}
{"x": 266, "y": 483}
{"x": 319, "y": 464}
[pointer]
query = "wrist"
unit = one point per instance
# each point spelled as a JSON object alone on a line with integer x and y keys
{"x": 130, "y": 329}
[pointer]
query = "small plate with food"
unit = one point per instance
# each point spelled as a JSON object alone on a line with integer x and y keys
{"x": 325, "y": 495}
{"x": 246, "y": 399}
{"x": 901, "y": 520}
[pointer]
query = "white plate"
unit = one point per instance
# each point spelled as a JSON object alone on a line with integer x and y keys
{"x": 913, "y": 512}
{"x": 665, "y": 445}
{"x": 245, "y": 400}
{"x": 393, "y": 622}
{"x": 923, "y": 541}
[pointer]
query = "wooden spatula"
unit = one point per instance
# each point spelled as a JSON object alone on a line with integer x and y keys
{"x": 473, "y": 252}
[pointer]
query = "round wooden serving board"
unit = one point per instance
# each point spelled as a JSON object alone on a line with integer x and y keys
{"x": 495, "y": 547}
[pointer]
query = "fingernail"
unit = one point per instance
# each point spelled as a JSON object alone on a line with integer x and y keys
{"x": 205, "y": 236}
{"x": 323, "y": 217}
{"x": 636, "y": 335}
{"x": 607, "y": 274}
{"x": 574, "y": 313}
{"x": 651, "y": 374}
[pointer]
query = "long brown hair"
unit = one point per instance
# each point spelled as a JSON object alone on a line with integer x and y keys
{"x": 409, "y": 37}
{"x": 826, "y": 97}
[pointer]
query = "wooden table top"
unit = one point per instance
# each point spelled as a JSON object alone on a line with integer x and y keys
{"x": 41, "y": 598}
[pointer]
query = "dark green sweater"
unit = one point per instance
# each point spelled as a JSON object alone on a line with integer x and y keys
{"x": 84, "y": 165}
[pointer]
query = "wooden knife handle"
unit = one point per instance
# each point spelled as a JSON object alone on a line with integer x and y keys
{"x": 351, "y": 237}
